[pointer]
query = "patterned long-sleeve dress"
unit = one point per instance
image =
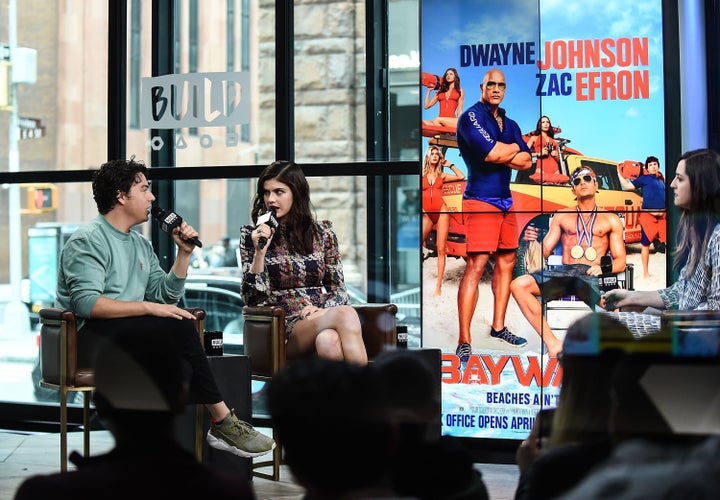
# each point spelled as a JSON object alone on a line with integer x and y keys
{"x": 292, "y": 280}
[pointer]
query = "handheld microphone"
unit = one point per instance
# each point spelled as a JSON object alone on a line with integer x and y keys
{"x": 269, "y": 219}
{"x": 171, "y": 220}
{"x": 606, "y": 264}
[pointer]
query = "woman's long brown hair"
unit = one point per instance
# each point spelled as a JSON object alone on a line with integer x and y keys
{"x": 298, "y": 225}
{"x": 702, "y": 167}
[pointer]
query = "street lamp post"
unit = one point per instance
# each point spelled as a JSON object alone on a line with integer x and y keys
{"x": 17, "y": 318}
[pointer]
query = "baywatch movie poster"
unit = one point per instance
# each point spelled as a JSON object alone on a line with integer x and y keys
{"x": 567, "y": 144}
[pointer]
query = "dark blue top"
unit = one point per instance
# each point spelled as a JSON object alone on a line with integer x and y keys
{"x": 477, "y": 133}
{"x": 653, "y": 191}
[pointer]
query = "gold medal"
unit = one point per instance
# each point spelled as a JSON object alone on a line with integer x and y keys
{"x": 576, "y": 252}
{"x": 584, "y": 234}
{"x": 590, "y": 254}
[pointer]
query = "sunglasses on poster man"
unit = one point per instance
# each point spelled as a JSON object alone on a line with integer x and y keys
{"x": 491, "y": 85}
{"x": 587, "y": 178}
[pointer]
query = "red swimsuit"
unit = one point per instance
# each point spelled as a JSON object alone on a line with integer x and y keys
{"x": 432, "y": 200}
{"x": 448, "y": 103}
{"x": 547, "y": 170}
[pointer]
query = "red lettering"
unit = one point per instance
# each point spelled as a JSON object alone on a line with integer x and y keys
{"x": 557, "y": 381}
{"x": 450, "y": 373}
{"x": 534, "y": 371}
{"x": 475, "y": 370}
{"x": 640, "y": 51}
{"x": 474, "y": 373}
{"x": 582, "y": 87}
{"x": 641, "y": 84}
{"x": 622, "y": 85}
{"x": 589, "y": 81}
{"x": 495, "y": 369}
{"x": 451, "y": 188}
{"x": 608, "y": 86}
{"x": 575, "y": 54}
{"x": 604, "y": 53}
{"x": 592, "y": 55}
{"x": 548, "y": 60}
{"x": 606, "y": 47}
{"x": 624, "y": 52}
{"x": 559, "y": 53}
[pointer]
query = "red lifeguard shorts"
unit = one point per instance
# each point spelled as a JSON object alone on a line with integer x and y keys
{"x": 653, "y": 224}
{"x": 487, "y": 228}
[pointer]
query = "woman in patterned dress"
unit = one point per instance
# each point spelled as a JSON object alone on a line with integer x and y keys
{"x": 697, "y": 256}
{"x": 298, "y": 268}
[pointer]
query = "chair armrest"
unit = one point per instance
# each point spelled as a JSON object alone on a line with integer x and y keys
{"x": 265, "y": 311}
{"x": 378, "y": 327}
{"x": 199, "y": 314}
{"x": 264, "y": 334}
{"x": 264, "y": 339}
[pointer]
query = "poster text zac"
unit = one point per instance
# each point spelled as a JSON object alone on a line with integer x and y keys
{"x": 612, "y": 57}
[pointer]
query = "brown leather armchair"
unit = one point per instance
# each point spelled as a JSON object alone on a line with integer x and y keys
{"x": 264, "y": 342}
{"x": 60, "y": 371}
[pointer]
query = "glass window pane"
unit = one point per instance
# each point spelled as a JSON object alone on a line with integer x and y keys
{"x": 220, "y": 101}
{"x": 403, "y": 78}
{"x": 54, "y": 117}
{"x": 46, "y": 227}
{"x": 330, "y": 82}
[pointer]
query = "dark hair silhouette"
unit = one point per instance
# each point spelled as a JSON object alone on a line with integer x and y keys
{"x": 445, "y": 85}
{"x": 113, "y": 178}
{"x": 298, "y": 224}
{"x": 702, "y": 167}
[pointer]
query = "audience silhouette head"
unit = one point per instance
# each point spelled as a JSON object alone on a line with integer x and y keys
{"x": 319, "y": 405}
{"x": 142, "y": 384}
{"x": 139, "y": 375}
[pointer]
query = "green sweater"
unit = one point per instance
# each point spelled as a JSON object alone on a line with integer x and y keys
{"x": 98, "y": 260}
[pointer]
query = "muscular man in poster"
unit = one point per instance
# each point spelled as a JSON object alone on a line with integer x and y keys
{"x": 586, "y": 235}
{"x": 491, "y": 145}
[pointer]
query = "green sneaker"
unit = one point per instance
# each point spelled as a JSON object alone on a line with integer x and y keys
{"x": 239, "y": 437}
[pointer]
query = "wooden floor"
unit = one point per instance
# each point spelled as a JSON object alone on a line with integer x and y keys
{"x": 500, "y": 480}
{"x": 24, "y": 455}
